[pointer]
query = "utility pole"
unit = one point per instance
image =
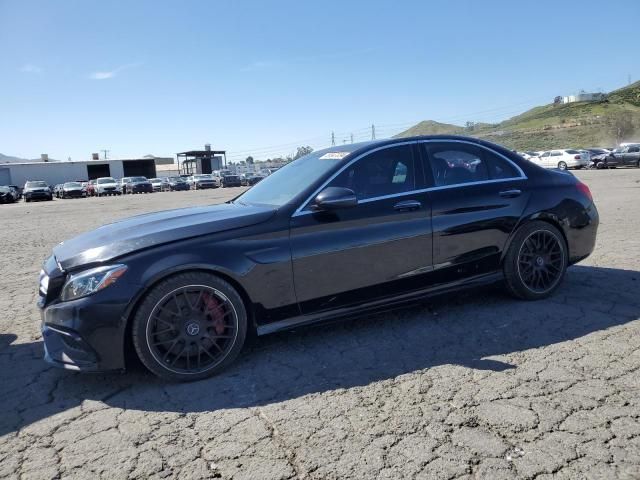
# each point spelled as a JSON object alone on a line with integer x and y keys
{"x": 105, "y": 153}
{"x": 373, "y": 132}
{"x": 352, "y": 138}
{"x": 333, "y": 139}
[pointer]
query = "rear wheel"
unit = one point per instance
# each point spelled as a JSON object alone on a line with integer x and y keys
{"x": 189, "y": 327}
{"x": 536, "y": 261}
{"x": 562, "y": 165}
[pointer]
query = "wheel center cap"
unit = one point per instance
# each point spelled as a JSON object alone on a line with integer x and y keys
{"x": 192, "y": 329}
{"x": 539, "y": 261}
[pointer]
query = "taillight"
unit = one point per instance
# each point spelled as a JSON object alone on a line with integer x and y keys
{"x": 584, "y": 190}
{"x": 578, "y": 157}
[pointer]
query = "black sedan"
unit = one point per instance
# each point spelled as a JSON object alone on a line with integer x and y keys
{"x": 363, "y": 227}
{"x": 177, "y": 183}
{"x": 37, "y": 190}
{"x": 7, "y": 195}
{"x": 138, "y": 185}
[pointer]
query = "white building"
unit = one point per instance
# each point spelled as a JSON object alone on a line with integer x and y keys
{"x": 60, "y": 172}
{"x": 584, "y": 97}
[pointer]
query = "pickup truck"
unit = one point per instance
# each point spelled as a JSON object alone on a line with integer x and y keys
{"x": 628, "y": 155}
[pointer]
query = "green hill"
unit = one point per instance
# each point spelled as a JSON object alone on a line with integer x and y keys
{"x": 577, "y": 125}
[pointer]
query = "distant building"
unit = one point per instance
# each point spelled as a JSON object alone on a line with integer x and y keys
{"x": 60, "y": 172}
{"x": 584, "y": 97}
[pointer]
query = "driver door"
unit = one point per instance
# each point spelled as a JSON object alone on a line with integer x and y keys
{"x": 378, "y": 248}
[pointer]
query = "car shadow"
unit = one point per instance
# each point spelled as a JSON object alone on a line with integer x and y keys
{"x": 476, "y": 330}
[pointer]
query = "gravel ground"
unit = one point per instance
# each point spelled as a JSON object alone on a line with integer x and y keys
{"x": 473, "y": 385}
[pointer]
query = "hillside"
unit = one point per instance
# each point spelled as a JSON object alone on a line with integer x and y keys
{"x": 580, "y": 124}
{"x": 11, "y": 159}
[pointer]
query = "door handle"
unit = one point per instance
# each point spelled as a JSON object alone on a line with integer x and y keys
{"x": 510, "y": 193}
{"x": 407, "y": 206}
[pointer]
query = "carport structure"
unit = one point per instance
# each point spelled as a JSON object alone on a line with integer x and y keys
{"x": 201, "y": 161}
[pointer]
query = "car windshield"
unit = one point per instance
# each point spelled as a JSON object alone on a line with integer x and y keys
{"x": 106, "y": 180}
{"x": 5, "y": 189}
{"x": 72, "y": 185}
{"x": 155, "y": 180}
{"x": 198, "y": 177}
{"x": 138, "y": 179}
{"x": 283, "y": 185}
{"x": 176, "y": 179}
{"x": 36, "y": 184}
{"x": 573, "y": 152}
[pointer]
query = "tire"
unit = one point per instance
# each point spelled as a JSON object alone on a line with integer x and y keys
{"x": 175, "y": 293}
{"x": 562, "y": 165}
{"x": 516, "y": 265}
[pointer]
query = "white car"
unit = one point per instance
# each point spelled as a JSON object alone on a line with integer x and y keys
{"x": 562, "y": 159}
{"x": 107, "y": 186}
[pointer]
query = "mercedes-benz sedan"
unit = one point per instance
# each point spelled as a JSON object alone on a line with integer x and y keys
{"x": 339, "y": 232}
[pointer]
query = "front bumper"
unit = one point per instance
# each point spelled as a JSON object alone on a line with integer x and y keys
{"x": 142, "y": 188}
{"x": 38, "y": 195}
{"x": 200, "y": 186}
{"x": 87, "y": 334}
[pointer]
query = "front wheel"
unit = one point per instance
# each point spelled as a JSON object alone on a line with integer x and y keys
{"x": 562, "y": 165}
{"x": 536, "y": 261}
{"x": 189, "y": 327}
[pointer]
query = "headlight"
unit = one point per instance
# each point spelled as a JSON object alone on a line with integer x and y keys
{"x": 91, "y": 281}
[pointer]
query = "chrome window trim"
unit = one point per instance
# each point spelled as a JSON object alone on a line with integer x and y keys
{"x": 301, "y": 209}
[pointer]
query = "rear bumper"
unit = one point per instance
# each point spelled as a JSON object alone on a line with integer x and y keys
{"x": 581, "y": 235}
{"x": 200, "y": 186}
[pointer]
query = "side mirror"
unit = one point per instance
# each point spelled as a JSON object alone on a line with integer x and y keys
{"x": 334, "y": 198}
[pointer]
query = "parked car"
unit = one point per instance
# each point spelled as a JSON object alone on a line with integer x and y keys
{"x": 107, "y": 186}
{"x": 72, "y": 190}
{"x": 57, "y": 190}
{"x": 250, "y": 179}
{"x": 226, "y": 178}
{"x": 36, "y": 190}
{"x": 629, "y": 155}
{"x": 7, "y": 195}
{"x": 157, "y": 184}
{"x": 601, "y": 158}
{"x": 17, "y": 189}
{"x": 363, "y": 227}
{"x": 91, "y": 188}
{"x": 562, "y": 159}
{"x": 200, "y": 181}
{"x": 177, "y": 183}
{"x": 137, "y": 185}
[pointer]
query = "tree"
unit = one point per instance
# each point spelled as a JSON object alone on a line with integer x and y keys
{"x": 302, "y": 151}
{"x": 249, "y": 160}
{"x": 620, "y": 126}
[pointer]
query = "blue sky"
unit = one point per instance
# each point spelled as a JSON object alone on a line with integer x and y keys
{"x": 259, "y": 77}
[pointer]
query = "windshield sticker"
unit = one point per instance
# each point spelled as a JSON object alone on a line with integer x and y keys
{"x": 334, "y": 155}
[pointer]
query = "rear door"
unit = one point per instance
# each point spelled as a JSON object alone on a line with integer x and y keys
{"x": 377, "y": 249}
{"x": 632, "y": 155}
{"x": 476, "y": 202}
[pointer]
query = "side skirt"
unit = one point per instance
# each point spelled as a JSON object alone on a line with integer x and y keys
{"x": 380, "y": 305}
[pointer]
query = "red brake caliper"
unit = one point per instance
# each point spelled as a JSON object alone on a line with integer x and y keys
{"x": 214, "y": 310}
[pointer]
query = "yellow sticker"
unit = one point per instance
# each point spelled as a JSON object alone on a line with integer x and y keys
{"x": 334, "y": 155}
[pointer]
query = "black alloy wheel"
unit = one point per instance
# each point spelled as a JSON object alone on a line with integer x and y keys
{"x": 190, "y": 327}
{"x": 536, "y": 261}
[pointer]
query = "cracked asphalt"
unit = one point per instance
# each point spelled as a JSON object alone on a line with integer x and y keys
{"x": 471, "y": 385}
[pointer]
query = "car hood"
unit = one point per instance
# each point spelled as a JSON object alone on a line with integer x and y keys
{"x": 152, "y": 229}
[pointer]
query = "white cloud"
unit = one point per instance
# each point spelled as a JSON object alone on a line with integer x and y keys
{"x": 30, "y": 68}
{"x": 106, "y": 75}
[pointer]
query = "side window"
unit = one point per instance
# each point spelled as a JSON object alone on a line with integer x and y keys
{"x": 385, "y": 172}
{"x": 499, "y": 168}
{"x": 556, "y": 154}
{"x": 634, "y": 149}
{"x": 545, "y": 154}
{"x": 456, "y": 163}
